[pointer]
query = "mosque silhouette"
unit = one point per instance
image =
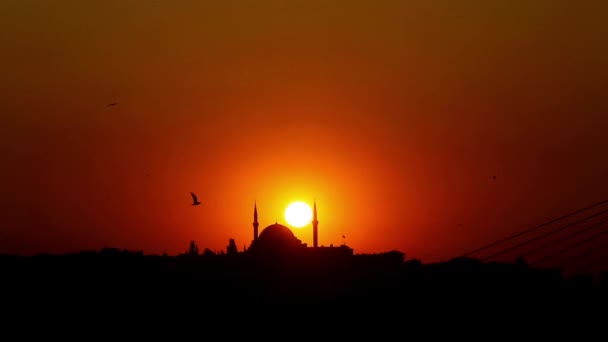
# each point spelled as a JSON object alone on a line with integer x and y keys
{"x": 278, "y": 240}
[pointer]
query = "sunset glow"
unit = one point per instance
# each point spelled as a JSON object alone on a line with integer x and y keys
{"x": 298, "y": 214}
{"x": 398, "y": 114}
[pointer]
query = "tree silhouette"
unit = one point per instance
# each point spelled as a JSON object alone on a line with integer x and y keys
{"x": 231, "y": 249}
{"x": 193, "y": 250}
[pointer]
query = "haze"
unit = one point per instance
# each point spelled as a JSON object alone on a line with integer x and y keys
{"x": 394, "y": 115}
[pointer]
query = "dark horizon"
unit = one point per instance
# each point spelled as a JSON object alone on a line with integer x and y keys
{"x": 576, "y": 238}
{"x": 278, "y": 270}
{"x": 285, "y": 278}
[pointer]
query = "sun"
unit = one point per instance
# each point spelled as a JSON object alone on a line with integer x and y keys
{"x": 298, "y": 214}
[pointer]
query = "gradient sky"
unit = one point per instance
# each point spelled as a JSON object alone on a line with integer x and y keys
{"x": 394, "y": 115}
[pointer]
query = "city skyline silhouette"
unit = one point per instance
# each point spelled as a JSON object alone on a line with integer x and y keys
{"x": 587, "y": 231}
{"x": 437, "y": 148}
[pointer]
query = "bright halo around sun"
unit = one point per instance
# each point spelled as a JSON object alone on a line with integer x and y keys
{"x": 298, "y": 214}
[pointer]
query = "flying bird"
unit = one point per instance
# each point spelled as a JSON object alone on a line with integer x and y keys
{"x": 194, "y": 199}
{"x": 112, "y": 104}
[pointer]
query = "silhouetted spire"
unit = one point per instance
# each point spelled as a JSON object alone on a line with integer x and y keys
{"x": 255, "y": 211}
{"x": 255, "y": 221}
{"x": 315, "y": 224}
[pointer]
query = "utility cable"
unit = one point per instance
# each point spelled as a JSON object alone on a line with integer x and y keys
{"x": 534, "y": 228}
{"x": 561, "y": 251}
{"x": 544, "y": 235}
{"x": 535, "y": 250}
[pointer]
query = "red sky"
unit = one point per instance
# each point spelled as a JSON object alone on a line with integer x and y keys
{"x": 394, "y": 115}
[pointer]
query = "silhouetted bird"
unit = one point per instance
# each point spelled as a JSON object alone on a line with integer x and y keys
{"x": 194, "y": 199}
{"x": 112, "y": 104}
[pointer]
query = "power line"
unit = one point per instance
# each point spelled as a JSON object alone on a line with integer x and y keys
{"x": 543, "y": 235}
{"x": 551, "y": 256}
{"x": 534, "y": 228}
{"x": 565, "y": 238}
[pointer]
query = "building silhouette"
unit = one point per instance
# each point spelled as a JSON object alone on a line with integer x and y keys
{"x": 279, "y": 240}
{"x": 315, "y": 226}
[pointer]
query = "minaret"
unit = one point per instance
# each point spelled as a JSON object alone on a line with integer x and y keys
{"x": 315, "y": 224}
{"x": 255, "y": 221}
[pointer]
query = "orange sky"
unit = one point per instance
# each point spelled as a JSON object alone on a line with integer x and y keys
{"x": 394, "y": 115}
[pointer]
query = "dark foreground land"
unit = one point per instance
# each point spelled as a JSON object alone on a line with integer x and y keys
{"x": 219, "y": 280}
{"x": 370, "y": 286}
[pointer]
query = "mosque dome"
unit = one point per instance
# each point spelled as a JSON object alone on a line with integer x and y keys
{"x": 277, "y": 232}
{"x": 277, "y": 238}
